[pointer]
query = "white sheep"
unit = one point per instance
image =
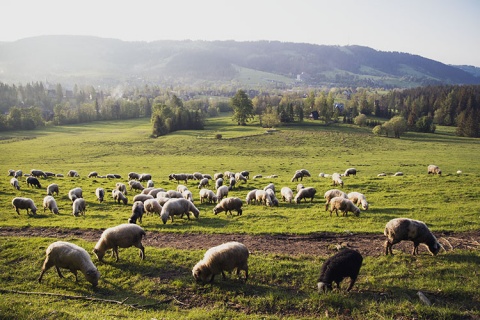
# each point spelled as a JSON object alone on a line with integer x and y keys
{"x": 207, "y": 195}
{"x": 118, "y": 196}
{"x": 69, "y": 256}
{"x": 155, "y": 191}
{"x": 73, "y": 174}
{"x": 150, "y": 184}
{"x": 178, "y": 207}
{"x": 145, "y": 177}
{"x": 433, "y": 169}
{"x": 222, "y": 192}
{"x": 136, "y": 185}
{"x": 337, "y": 180}
{"x": 225, "y": 257}
{"x": 18, "y": 173}
{"x": 124, "y": 236}
{"x": 251, "y": 196}
{"x": 79, "y": 206}
{"x": 24, "y": 203}
{"x": 229, "y": 204}
{"x": 100, "y": 194}
{"x": 92, "y": 174}
{"x": 50, "y": 204}
{"x": 203, "y": 183}
{"x": 239, "y": 177}
{"x": 271, "y": 200}
{"x": 178, "y": 177}
{"x": 75, "y": 193}
{"x": 262, "y": 197}
{"x": 121, "y": 187}
{"x": 174, "y": 194}
{"x": 152, "y": 206}
{"x": 14, "y": 183}
{"x": 398, "y": 174}
{"x": 181, "y": 188}
{"x": 218, "y": 183}
{"x": 270, "y": 186}
{"x": 300, "y": 186}
{"x": 197, "y": 176}
{"x": 287, "y": 194}
{"x": 232, "y": 183}
{"x": 142, "y": 197}
{"x": 305, "y": 193}
{"x": 133, "y": 176}
{"x": 297, "y": 175}
{"x": 358, "y": 199}
{"x": 52, "y": 188}
{"x": 400, "y": 229}
{"x": 344, "y": 205}
{"x": 187, "y": 194}
{"x": 147, "y": 190}
{"x": 137, "y": 212}
{"x": 332, "y": 193}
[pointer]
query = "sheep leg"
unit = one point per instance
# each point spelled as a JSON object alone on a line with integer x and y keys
{"x": 415, "y": 248}
{"x": 115, "y": 253}
{"x": 75, "y": 273}
{"x": 142, "y": 250}
{"x": 388, "y": 248}
{"x": 352, "y": 282}
{"x": 59, "y": 272}
{"x": 46, "y": 265}
{"x": 223, "y": 275}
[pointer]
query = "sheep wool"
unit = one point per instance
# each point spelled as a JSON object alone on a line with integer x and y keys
{"x": 229, "y": 204}
{"x": 124, "y": 236}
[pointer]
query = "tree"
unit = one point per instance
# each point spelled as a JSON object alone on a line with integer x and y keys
{"x": 270, "y": 118}
{"x": 360, "y": 120}
{"x": 242, "y": 108}
{"x": 397, "y": 125}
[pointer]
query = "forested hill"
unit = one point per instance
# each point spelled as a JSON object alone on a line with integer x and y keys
{"x": 99, "y": 61}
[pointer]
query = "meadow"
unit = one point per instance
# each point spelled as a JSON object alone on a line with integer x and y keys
{"x": 281, "y": 286}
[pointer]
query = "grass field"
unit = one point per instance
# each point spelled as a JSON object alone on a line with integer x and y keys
{"x": 281, "y": 286}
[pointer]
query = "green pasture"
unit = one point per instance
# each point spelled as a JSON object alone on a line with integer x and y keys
{"x": 281, "y": 286}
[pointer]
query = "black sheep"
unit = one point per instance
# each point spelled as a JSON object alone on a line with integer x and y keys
{"x": 33, "y": 182}
{"x": 345, "y": 263}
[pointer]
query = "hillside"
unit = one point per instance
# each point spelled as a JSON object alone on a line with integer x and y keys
{"x": 108, "y": 62}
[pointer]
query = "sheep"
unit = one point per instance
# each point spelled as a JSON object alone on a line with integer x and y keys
{"x": 246, "y": 174}
{"x": 181, "y": 188}
{"x": 261, "y": 196}
{"x": 133, "y": 176}
{"x": 218, "y": 183}
{"x": 269, "y": 186}
{"x": 59, "y": 175}
{"x": 382, "y": 174}
{"x": 72, "y": 174}
{"x": 187, "y": 194}
{"x": 178, "y": 177}
{"x": 332, "y": 193}
{"x": 400, "y": 229}
{"x": 92, "y": 174}
{"x": 398, "y": 174}
{"x": 344, "y": 205}
{"x": 162, "y": 200}
{"x": 174, "y": 194}
{"x": 459, "y": 172}
{"x": 24, "y": 203}
{"x": 305, "y": 193}
{"x": 145, "y": 177}
{"x": 251, "y": 196}
{"x": 75, "y": 193}
{"x": 228, "y": 174}
{"x": 207, "y": 195}
{"x": 240, "y": 177}
{"x": 100, "y": 194}
{"x": 203, "y": 183}
{"x": 433, "y": 169}
{"x": 287, "y": 194}
{"x": 155, "y": 191}
{"x": 222, "y": 192}
{"x": 37, "y": 173}
{"x": 61, "y": 254}
{"x": 121, "y": 187}
{"x": 344, "y": 264}
{"x": 137, "y": 212}
{"x": 300, "y": 187}
{"x": 209, "y": 177}
{"x": 225, "y": 257}
{"x": 350, "y": 171}
{"x": 119, "y": 196}
{"x": 124, "y": 236}
{"x": 197, "y": 176}
{"x": 358, "y": 199}
{"x": 79, "y": 207}
{"x": 305, "y": 172}
{"x": 217, "y": 175}
{"x": 229, "y": 204}
{"x": 50, "y": 204}
{"x": 178, "y": 207}
{"x": 14, "y": 183}
{"x": 297, "y": 175}
{"x": 150, "y": 184}
{"x": 232, "y": 183}
{"x": 18, "y": 174}
{"x": 11, "y": 173}
{"x": 135, "y": 185}
{"x": 336, "y": 179}
{"x": 52, "y": 188}
{"x": 271, "y": 199}
{"x": 257, "y": 176}
{"x": 49, "y": 174}
{"x": 33, "y": 182}
{"x": 142, "y": 197}
{"x": 147, "y": 190}
{"x": 152, "y": 206}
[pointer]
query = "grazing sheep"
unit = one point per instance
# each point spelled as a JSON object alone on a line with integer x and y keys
{"x": 197, "y": 176}
{"x": 246, "y": 174}
{"x": 136, "y": 185}
{"x": 150, "y": 184}
{"x": 344, "y": 264}
{"x": 187, "y": 194}
{"x": 142, "y": 197}
{"x": 344, "y": 205}
{"x": 59, "y": 175}
{"x": 232, "y": 183}
{"x": 222, "y": 192}
{"x": 145, "y": 177}
{"x": 240, "y": 177}
{"x": 207, "y": 195}
{"x": 79, "y": 206}
{"x": 124, "y": 236}
{"x": 133, "y": 176}
{"x": 14, "y": 183}
{"x": 137, "y": 212}
{"x": 358, "y": 199}
{"x": 11, "y": 173}
{"x": 75, "y": 193}
{"x": 50, "y": 204}
{"x": 155, "y": 191}
{"x": 400, "y": 229}
{"x": 72, "y": 174}
{"x": 100, "y": 194}
{"x": 24, "y": 203}
{"x": 398, "y": 174}
{"x": 229, "y": 204}
{"x": 305, "y": 193}
{"x": 257, "y": 176}
{"x": 300, "y": 186}
{"x": 52, "y": 188}
{"x": 162, "y": 200}
{"x": 33, "y": 182}
{"x": 228, "y": 174}
{"x": 49, "y": 174}
{"x": 118, "y": 196}
{"x": 271, "y": 199}
{"x": 209, "y": 177}
{"x": 251, "y": 196}
{"x": 337, "y": 180}
{"x": 297, "y": 175}
{"x": 269, "y": 186}
{"x": 178, "y": 207}
{"x": 459, "y": 171}
{"x": 181, "y": 188}
{"x": 305, "y": 172}
{"x": 218, "y": 183}
{"x": 121, "y": 187}
{"x": 350, "y": 171}
{"x": 152, "y": 206}
{"x": 37, "y": 173}
{"x": 262, "y": 197}
{"x": 18, "y": 174}
{"x": 225, "y": 257}
{"x": 382, "y": 174}
{"x": 147, "y": 190}
{"x": 433, "y": 169}
{"x": 174, "y": 194}
{"x": 287, "y": 194}
{"x": 178, "y": 177}
{"x": 332, "y": 193}
{"x": 92, "y": 174}
{"x": 217, "y": 175}
{"x": 203, "y": 183}
{"x": 69, "y": 256}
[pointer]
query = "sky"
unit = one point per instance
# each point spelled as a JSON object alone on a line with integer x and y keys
{"x": 444, "y": 30}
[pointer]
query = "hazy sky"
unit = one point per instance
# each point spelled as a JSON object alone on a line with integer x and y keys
{"x": 443, "y": 30}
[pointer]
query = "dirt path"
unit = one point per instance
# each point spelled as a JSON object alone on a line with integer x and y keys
{"x": 321, "y": 244}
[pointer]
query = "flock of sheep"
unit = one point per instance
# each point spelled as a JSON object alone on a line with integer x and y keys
{"x": 225, "y": 257}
